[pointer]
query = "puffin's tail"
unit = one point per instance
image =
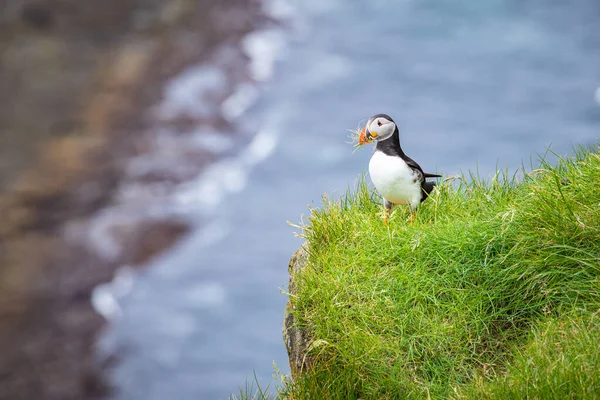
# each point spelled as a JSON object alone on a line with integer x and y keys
{"x": 428, "y": 175}
{"x": 427, "y": 188}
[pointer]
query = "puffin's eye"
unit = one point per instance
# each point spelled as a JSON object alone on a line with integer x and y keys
{"x": 379, "y": 123}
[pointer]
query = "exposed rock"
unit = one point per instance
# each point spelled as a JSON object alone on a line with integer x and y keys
{"x": 296, "y": 339}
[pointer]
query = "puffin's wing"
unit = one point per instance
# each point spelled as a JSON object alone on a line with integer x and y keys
{"x": 413, "y": 164}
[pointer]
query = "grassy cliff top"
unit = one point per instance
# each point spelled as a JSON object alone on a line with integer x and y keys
{"x": 492, "y": 292}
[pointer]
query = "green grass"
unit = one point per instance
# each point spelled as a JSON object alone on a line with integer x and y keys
{"x": 465, "y": 303}
{"x": 252, "y": 392}
{"x": 562, "y": 361}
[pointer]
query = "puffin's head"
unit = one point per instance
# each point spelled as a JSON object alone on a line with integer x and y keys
{"x": 379, "y": 127}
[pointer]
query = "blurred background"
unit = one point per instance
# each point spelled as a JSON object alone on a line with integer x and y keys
{"x": 152, "y": 152}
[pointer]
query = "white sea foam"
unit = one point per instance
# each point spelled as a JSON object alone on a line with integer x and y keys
{"x": 226, "y": 176}
{"x": 261, "y": 147}
{"x": 211, "y": 140}
{"x": 170, "y": 177}
{"x": 263, "y": 48}
{"x": 193, "y": 93}
{"x": 100, "y": 237}
{"x": 205, "y": 192}
{"x": 240, "y": 101}
{"x": 105, "y": 297}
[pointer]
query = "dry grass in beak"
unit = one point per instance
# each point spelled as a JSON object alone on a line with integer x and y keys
{"x": 357, "y": 137}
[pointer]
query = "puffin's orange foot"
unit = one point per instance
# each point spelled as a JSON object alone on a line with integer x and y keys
{"x": 385, "y": 215}
{"x": 412, "y": 218}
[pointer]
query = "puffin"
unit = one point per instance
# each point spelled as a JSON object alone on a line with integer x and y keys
{"x": 397, "y": 177}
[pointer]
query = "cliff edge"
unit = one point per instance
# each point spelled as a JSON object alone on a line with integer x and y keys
{"x": 296, "y": 339}
{"x": 493, "y": 292}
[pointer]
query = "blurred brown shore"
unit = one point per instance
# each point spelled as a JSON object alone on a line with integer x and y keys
{"x": 76, "y": 81}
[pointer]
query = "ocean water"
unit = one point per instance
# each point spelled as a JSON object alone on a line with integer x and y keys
{"x": 472, "y": 85}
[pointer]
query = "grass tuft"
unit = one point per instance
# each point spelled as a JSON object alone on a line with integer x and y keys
{"x": 354, "y": 136}
{"x": 254, "y": 390}
{"x": 561, "y": 361}
{"x": 456, "y": 304}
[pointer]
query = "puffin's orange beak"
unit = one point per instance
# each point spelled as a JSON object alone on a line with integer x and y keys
{"x": 362, "y": 138}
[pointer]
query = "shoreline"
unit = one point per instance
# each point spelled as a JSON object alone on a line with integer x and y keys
{"x": 49, "y": 252}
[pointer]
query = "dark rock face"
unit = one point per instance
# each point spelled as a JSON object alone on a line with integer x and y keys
{"x": 296, "y": 339}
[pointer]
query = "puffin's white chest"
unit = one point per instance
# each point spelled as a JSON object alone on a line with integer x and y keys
{"x": 395, "y": 180}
